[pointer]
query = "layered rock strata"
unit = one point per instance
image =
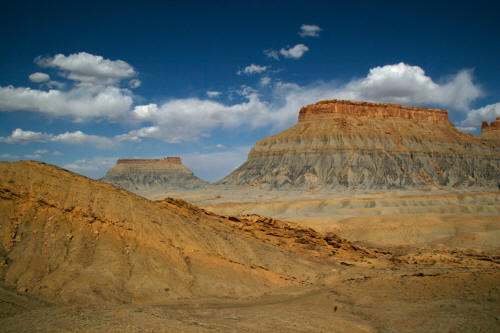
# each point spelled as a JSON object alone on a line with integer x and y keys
{"x": 152, "y": 175}
{"x": 370, "y": 146}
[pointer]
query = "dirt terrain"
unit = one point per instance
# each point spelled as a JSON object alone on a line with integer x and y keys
{"x": 80, "y": 255}
{"x": 384, "y": 219}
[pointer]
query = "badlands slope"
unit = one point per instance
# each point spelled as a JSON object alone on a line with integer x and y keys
{"x": 146, "y": 176}
{"x": 80, "y": 255}
{"x": 346, "y": 144}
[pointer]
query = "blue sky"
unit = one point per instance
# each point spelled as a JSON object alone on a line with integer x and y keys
{"x": 82, "y": 84}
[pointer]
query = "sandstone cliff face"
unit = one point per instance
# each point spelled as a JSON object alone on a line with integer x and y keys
{"x": 152, "y": 175}
{"x": 370, "y": 145}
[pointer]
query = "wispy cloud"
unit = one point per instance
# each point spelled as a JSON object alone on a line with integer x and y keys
{"x": 214, "y": 166}
{"x": 78, "y": 137}
{"x": 272, "y": 54}
{"x": 39, "y": 77}
{"x": 8, "y": 157}
{"x": 252, "y": 69}
{"x": 309, "y": 30}
{"x": 213, "y": 94}
{"x": 94, "y": 167}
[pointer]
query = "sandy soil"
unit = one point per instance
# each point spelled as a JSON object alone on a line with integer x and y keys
{"x": 441, "y": 292}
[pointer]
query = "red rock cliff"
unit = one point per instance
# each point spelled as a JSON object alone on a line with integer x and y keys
{"x": 493, "y": 126}
{"x": 170, "y": 160}
{"x": 329, "y": 108}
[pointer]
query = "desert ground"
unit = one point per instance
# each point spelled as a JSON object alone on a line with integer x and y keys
{"x": 93, "y": 257}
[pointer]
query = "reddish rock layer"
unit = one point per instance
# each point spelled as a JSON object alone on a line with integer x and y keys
{"x": 172, "y": 160}
{"x": 493, "y": 126}
{"x": 328, "y": 108}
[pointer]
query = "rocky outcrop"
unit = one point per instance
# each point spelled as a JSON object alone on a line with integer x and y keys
{"x": 152, "y": 175}
{"x": 491, "y": 131}
{"x": 365, "y": 145}
{"x": 328, "y": 109}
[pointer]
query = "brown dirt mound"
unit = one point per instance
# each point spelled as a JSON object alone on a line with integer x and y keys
{"x": 66, "y": 237}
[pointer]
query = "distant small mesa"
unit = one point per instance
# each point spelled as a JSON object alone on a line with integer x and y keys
{"x": 347, "y": 144}
{"x": 152, "y": 175}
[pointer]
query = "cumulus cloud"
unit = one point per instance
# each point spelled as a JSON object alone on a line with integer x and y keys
{"x": 213, "y": 94}
{"x": 402, "y": 83}
{"x": 309, "y": 30}
{"x": 80, "y": 103}
{"x": 21, "y": 136}
{"x": 189, "y": 119}
{"x": 216, "y": 165}
{"x": 272, "y": 54}
{"x": 39, "y": 77}
{"x": 295, "y": 52}
{"x": 86, "y": 67}
{"x": 252, "y": 69}
{"x": 475, "y": 117}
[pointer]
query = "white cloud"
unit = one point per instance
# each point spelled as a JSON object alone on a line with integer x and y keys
{"x": 41, "y": 151}
{"x": 8, "y": 157}
{"x": 220, "y": 146}
{"x": 81, "y": 103}
{"x": 213, "y": 94}
{"x": 308, "y": 30}
{"x": 189, "y": 119}
{"x": 33, "y": 156}
{"x": 295, "y": 52}
{"x": 265, "y": 80}
{"x": 78, "y": 137}
{"x": 475, "y": 117}
{"x": 252, "y": 69}
{"x": 86, "y": 67}
{"x": 57, "y": 153}
{"x": 214, "y": 166}
{"x": 272, "y": 54}
{"x": 405, "y": 84}
{"x": 94, "y": 167}
{"x": 39, "y": 77}
{"x": 134, "y": 83}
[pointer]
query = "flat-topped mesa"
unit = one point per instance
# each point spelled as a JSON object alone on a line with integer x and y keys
{"x": 362, "y": 145}
{"x": 328, "y": 109}
{"x": 166, "y": 160}
{"x": 145, "y": 176}
{"x": 493, "y": 126}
